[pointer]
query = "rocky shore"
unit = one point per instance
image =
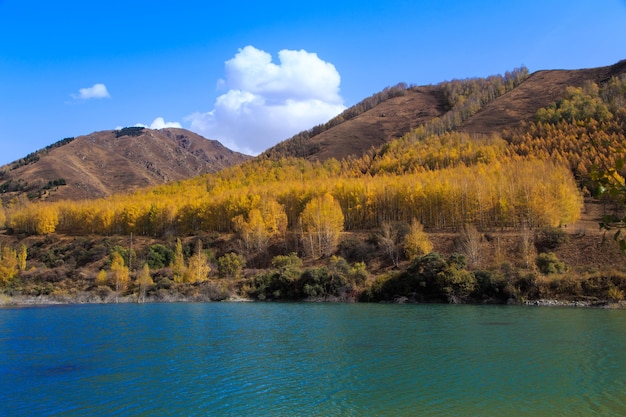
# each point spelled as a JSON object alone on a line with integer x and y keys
{"x": 577, "y": 303}
{"x": 89, "y": 298}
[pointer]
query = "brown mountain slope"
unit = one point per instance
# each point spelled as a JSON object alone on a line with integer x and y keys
{"x": 540, "y": 90}
{"x": 392, "y": 118}
{"x": 387, "y": 121}
{"x": 108, "y": 162}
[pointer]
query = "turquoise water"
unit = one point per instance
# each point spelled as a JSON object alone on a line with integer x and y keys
{"x": 274, "y": 359}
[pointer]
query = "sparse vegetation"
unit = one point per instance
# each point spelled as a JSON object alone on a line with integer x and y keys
{"x": 33, "y": 157}
{"x": 129, "y": 131}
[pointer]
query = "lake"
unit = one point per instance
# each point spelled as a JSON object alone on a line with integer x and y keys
{"x": 311, "y": 359}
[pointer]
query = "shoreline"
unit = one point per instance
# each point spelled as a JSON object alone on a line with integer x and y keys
{"x": 45, "y": 300}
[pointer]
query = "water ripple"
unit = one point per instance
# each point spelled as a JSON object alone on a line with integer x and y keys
{"x": 312, "y": 360}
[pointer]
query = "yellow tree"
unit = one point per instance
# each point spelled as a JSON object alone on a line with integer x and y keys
{"x": 3, "y": 217}
{"x": 8, "y": 265}
{"x": 119, "y": 272}
{"x": 21, "y": 258}
{"x": 199, "y": 268}
{"x": 416, "y": 242}
{"x": 261, "y": 225}
{"x": 46, "y": 220}
{"x": 252, "y": 232}
{"x": 178, "y": 264}
{"x": 102, "y": 279}
{"x": 143, "y": 280}
{"x": 322, "y": 223}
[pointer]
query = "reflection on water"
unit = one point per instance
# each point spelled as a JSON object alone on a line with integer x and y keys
{"x": 312, "y": 359}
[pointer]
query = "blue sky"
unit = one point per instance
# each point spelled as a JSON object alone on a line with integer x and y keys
{"x": 251, "y": 74}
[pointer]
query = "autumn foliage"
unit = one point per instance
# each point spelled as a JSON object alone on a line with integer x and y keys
{"x": 434, "y": 177}
{"x": 279, "y": 212}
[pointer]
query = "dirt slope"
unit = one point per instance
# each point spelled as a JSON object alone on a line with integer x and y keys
{"x": 397, "y": 116}
{"x": 101, "y": 164}
{"x": 540, "y": 90}
{"x": 388, "y": 121}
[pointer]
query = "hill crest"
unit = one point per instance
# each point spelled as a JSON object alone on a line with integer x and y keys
{"x": 387, "y": 116}
{"x": 108, "y": 162}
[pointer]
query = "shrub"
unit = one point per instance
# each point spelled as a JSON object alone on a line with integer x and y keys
{"x": 159, "y": 256}
{"x": 615, "y": 294}
{"x": 288, "y": 264}
{"x": 490, "y": 285}
{"x": 439, "y": 278}
{"x": 273, "y": 285}
{"x": 358, "y": 273}
{"x": 550, "y": 238}
{"x": 320, "y": 282}
{"x": 164, "y": 283}
{"x": 230, "y": 265}
{"x": 389, "y": 286}
{"x": 356, "y": 250}
{"x": 129, "y": 131}
{"x": 548, "y": 263}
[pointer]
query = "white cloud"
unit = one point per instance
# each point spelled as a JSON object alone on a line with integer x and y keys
{"x": 159, "y": 123}
{"x": 95, "y": 91}
{"x": 266, "y": 102}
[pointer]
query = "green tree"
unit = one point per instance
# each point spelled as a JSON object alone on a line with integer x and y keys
{"x": 288, "y": 267}
{"x": 441, "y": 278}
{"x": 358, "y": 273}
{"x": 338, "y": 268}
{"x": 230, "y": 265}
{"x": 160, "y": 256}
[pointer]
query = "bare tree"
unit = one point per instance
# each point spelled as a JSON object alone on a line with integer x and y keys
{"x": 527, "y": 246}
{"x": 470, "y": 240}
{"x": 389, "y": 241}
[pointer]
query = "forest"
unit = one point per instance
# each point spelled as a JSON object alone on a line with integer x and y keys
{"x": 363, "y": 228}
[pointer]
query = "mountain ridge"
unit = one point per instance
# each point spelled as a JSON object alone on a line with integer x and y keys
{"x": 107, "y": 162}
{"x": 540, "y": 89}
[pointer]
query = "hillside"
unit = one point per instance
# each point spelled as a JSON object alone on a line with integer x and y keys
{"x": 105, "y": 163}
{"x": 389, "y": 120}
{"x": 540, "y": 90}
{"x": 108, "y": 162}
{"x": 379, "y": 120}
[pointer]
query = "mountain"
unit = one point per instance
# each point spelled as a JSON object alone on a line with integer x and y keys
{"x": 388, "y": 120}
{"x": 113, "y": 161}
{"x": 541, "y": 89}
{"x": 496, "y": 169}
{"x": 394, "y": 113}
{"x": 108, "y": 162}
